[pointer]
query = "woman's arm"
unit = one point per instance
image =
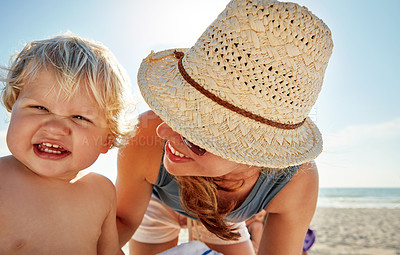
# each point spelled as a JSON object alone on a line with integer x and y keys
{"x": 138, "y": 166}
{"x": 290, "y": 213}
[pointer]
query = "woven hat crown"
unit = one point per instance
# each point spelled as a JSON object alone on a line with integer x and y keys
{"x": 265, "y": 57}
{"x": 244, "y": 90}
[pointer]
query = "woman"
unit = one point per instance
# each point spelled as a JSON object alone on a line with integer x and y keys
{"x": 228, "y": 134}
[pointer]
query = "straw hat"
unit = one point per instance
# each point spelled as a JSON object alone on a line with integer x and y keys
{"x": 244, "y": 90}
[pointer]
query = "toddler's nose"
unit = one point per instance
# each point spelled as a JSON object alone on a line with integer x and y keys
{"x": 57, "y": 126}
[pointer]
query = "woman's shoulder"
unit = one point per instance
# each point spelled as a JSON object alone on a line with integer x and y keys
{"x": 149, "y": 118}
{"x": 146, "y": 135}
{"x": 300, "y": 191}
{"x": 144, "y": 151}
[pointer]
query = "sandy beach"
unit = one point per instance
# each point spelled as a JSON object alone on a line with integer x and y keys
{"x": 343, "y": 231}
{"x": 356, "y": 231}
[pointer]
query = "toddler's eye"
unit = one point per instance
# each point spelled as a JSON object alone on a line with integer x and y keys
{"x": 41, "y": 108}
{"x": 79, "y": 117}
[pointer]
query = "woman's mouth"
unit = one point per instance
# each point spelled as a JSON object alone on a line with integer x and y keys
{"x": 175, "y": 152}
{"x": 175, "y": 156}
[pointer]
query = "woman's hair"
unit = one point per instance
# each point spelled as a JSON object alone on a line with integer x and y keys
{"x": 76, "y": 61}
{"x": 198, "y": 196}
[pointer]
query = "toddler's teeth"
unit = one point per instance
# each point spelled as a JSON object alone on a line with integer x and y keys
{"x": 49, "y": 145}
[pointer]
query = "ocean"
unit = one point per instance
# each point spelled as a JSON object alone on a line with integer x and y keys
{"x": 359, "y": 198}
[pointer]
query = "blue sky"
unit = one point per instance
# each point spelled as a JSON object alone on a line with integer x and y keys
{"x": 357, "y": 110}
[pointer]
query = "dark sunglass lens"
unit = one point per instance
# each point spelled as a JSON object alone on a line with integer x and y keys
{"x": 193, "y": 147}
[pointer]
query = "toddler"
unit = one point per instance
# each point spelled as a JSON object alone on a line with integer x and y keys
{"x": 67, "y": 97}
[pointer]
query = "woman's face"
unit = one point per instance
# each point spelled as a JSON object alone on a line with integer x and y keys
{"x": 179, "y": 160}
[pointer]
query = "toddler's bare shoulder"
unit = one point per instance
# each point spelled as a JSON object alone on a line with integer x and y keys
{"x": 98, "y": 186}
{"x": 97, "y": 179}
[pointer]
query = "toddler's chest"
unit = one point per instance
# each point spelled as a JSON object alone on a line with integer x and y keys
{"x": 40, "y": 223}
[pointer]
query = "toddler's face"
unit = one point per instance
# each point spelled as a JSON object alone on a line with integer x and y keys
{"x": 52, "y": 136}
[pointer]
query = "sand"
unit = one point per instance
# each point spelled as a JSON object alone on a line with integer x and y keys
{"x": 356, "y": 231}
{"x": 352, "y": 231}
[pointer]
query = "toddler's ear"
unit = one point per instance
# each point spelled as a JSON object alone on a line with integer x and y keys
{"x": 107, "y": 143}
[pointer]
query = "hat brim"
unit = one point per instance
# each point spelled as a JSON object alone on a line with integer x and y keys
{"x": 217, "y": 129}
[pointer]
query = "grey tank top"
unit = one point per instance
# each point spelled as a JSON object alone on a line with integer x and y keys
{"x": 265, "y": 189}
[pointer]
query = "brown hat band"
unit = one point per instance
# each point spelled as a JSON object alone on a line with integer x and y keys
{"x": 179, "y": 55}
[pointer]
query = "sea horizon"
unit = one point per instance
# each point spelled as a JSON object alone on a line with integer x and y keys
{"x": 388, "y": 198}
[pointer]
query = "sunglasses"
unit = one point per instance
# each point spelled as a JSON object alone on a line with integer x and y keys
{"x": 193, "y": 147}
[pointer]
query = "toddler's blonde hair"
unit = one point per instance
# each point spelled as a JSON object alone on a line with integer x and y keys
{"x": 76, "y": 61}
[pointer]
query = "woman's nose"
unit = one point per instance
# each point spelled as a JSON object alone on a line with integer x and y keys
{"x": 165, "y": 132}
